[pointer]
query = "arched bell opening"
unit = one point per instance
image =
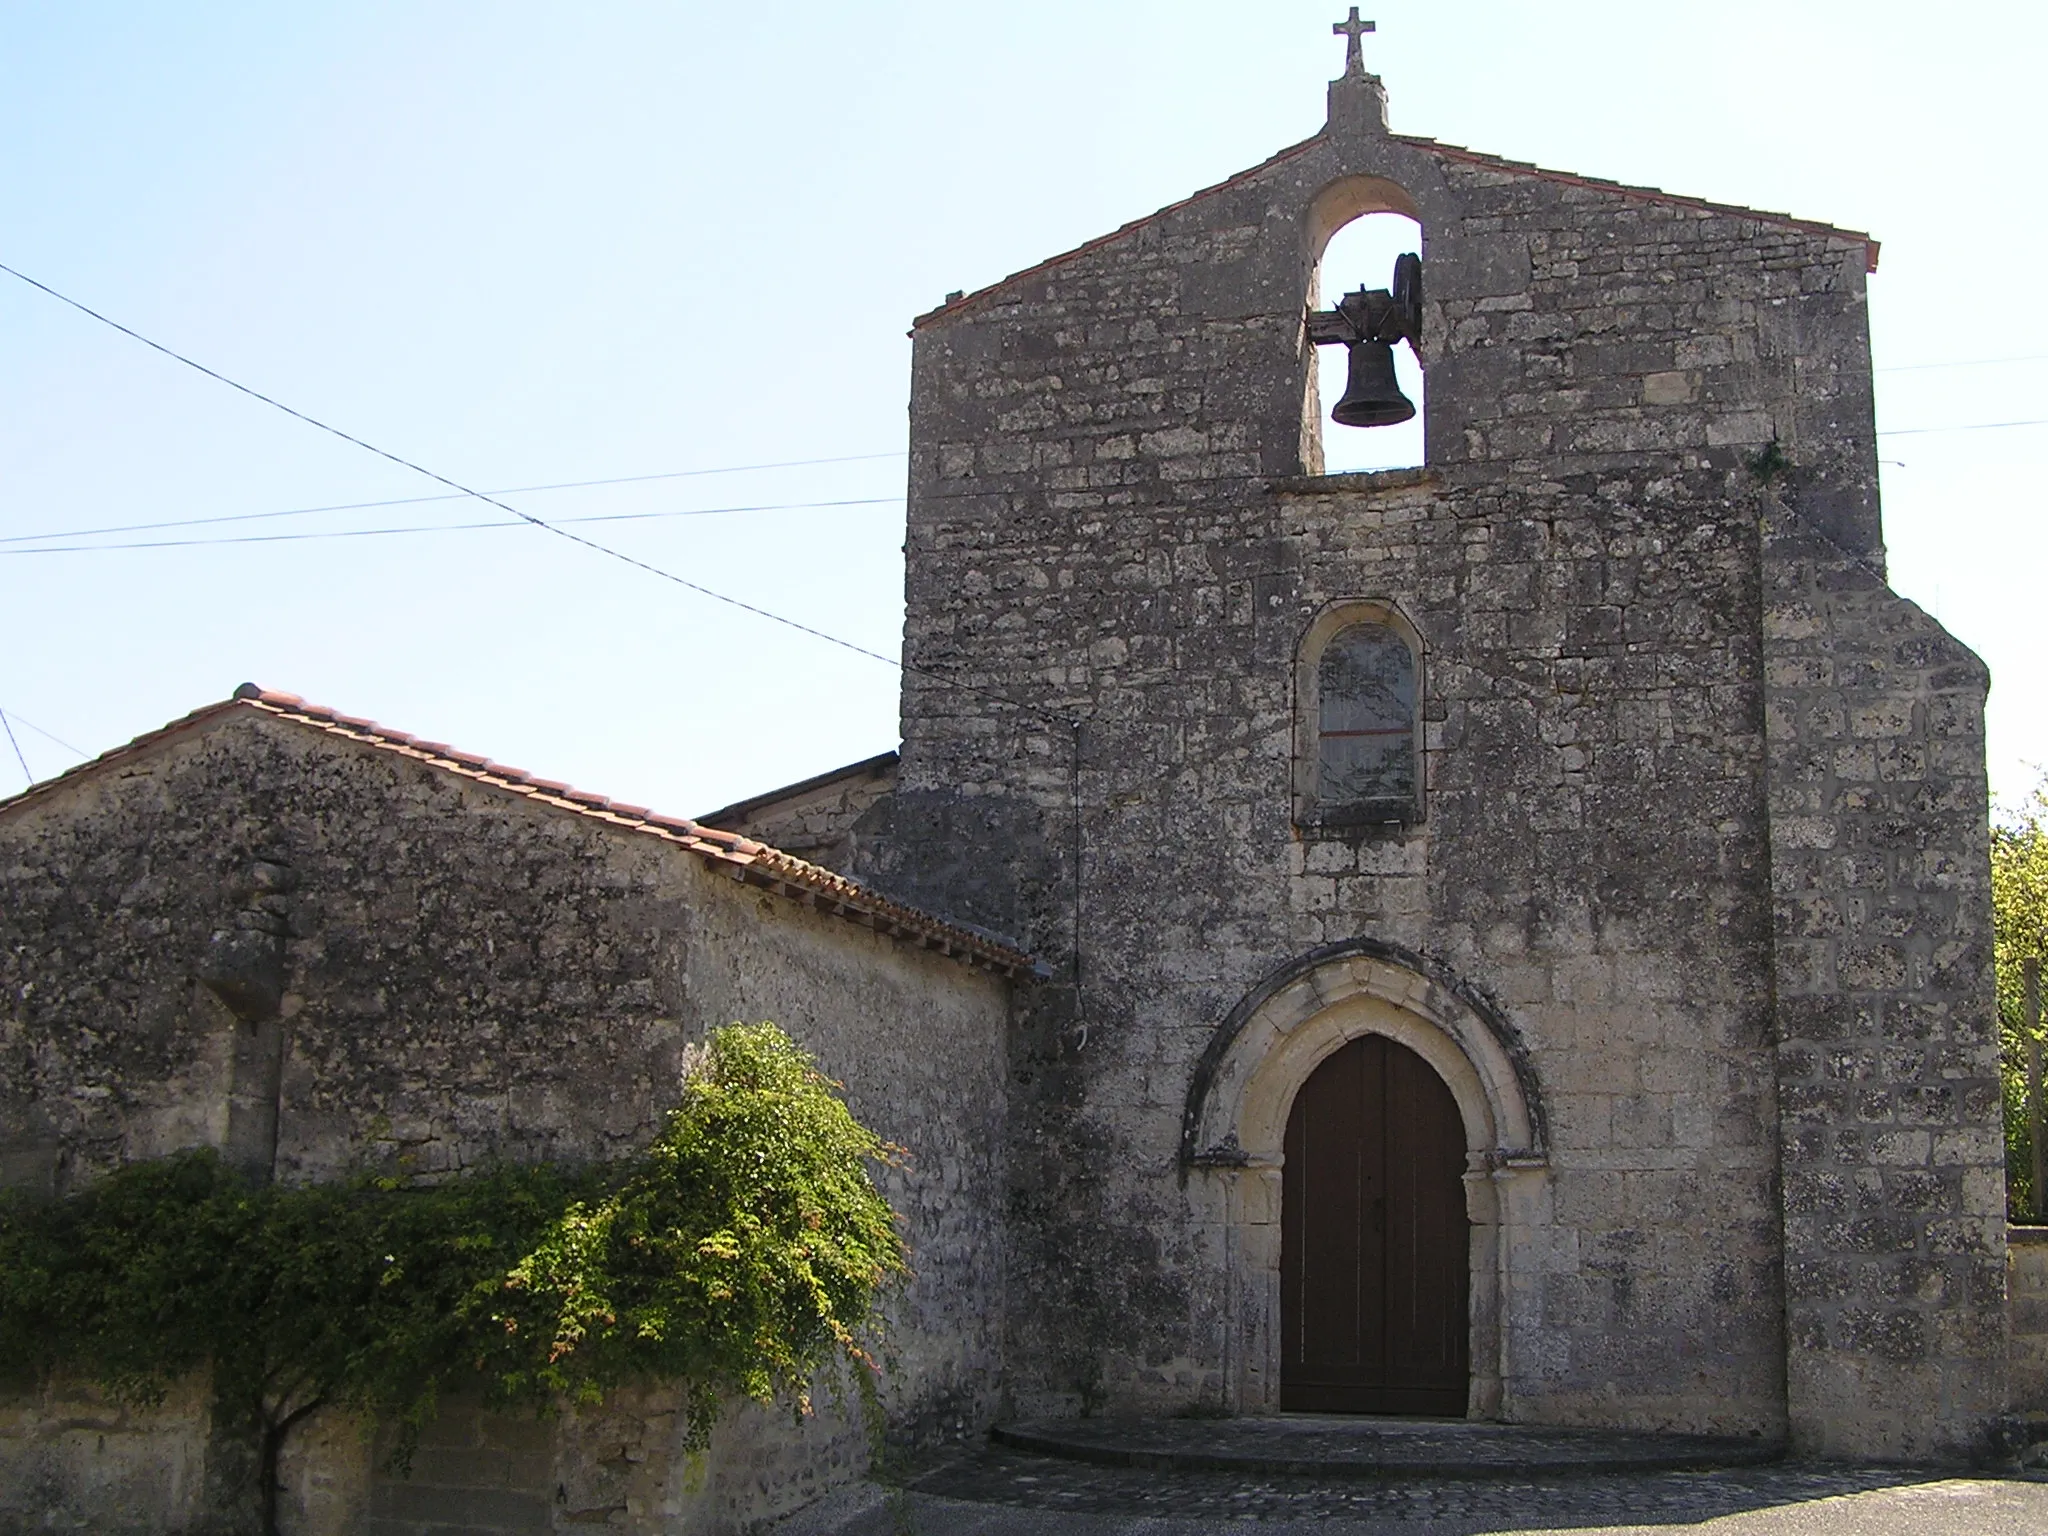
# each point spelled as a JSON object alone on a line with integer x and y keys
{"x": 1359, "y": 228}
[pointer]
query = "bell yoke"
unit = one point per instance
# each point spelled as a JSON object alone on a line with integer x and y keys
{"x": 1370, "y": 322}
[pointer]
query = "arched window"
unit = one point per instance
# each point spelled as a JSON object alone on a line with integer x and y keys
{"x": 1361, "y": 726}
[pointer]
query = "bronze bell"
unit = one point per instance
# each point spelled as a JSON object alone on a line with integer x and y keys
{"x": 1369, "y": 322}
{"x": 1372, "y": 398}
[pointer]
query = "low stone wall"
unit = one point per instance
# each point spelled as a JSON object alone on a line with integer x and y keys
{"x": 621, "y": 1465}
{"x": 2027, "y": 1292}
{"x": 72, "y": 1460}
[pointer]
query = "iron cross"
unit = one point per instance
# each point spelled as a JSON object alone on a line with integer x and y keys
{"x": 1351, "y": 30}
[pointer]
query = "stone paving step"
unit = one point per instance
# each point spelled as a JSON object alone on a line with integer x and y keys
{"x": 1355, "y": 1446}
{"x": 992, "y": 1490}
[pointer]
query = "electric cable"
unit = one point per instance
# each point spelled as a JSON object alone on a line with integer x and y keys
{"x": 368, "y": 533}
{"x": 34, "y": 544}
{"x": 411, "y": 501}
{"x": 17, "y": 747}
{"x": 1967, "y": 426}
{"x": 1070, "y": 723}
{"x": 1967, "y": 362}
{"x": 43, "y": 539}
{"x": 37, "y": 544}
{"x": 47, "y": 736}
{"x": 540, "y": 522}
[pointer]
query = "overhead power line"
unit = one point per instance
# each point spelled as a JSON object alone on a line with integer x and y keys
{"x": 1967, "y": 426}
{"x": 37, "y": 544}
{"x": 47, "y": 736}
{"x": 17, "y": 747}
{"x": 460, "y": 490}
{"x": 413, "y": 501}
{"x": 1967, "y": 362}
{"x": 370, "y": 533}
{"x": 542, "y": 523}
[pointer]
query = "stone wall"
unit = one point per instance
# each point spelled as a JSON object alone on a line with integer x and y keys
{"x": 71, "y": 1460}
{"x": 2027, "y": 1289}
{"x": 1591, "y": 858}
{"x": 1117, "y": 541}
{"x": 619, "y": 1467}
{"x": 464, "y": 974}
{"x": 815, "y": 819}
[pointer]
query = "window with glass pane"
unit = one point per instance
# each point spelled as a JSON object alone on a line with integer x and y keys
{"x": 1365, "y": 727}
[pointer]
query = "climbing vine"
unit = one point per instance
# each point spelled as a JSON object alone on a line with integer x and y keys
{"x": 739, "y": 1255}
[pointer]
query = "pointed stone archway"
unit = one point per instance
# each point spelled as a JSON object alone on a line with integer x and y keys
{"x": 1235, "y": 1125}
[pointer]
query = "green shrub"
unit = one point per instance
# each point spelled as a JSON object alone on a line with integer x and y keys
{"x": 738, "y": 1256}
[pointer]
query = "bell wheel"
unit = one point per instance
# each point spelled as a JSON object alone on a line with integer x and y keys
{"x": 1407, "y": 294}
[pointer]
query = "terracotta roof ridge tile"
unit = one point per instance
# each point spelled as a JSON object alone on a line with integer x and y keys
{"x": 794, "y": 878}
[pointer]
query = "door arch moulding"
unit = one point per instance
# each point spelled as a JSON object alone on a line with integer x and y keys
{"x": 1235, "y": 1123}
{"x": 1211, "y": 1135}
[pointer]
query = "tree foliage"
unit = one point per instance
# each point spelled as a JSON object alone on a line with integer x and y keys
{"x": 2019, "y": 896}
{"x": 739, "y": 1253}
{"x": 737, "y": 1256}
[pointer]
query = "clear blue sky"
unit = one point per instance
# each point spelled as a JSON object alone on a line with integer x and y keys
{"x": 529, "y": 244}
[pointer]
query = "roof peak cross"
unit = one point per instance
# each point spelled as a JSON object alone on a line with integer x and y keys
{"x": 1358, "y": 98}
{"x": 1351, "y": 29}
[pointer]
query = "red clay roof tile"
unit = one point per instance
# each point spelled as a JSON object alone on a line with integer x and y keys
{"x": 755, "y": 862}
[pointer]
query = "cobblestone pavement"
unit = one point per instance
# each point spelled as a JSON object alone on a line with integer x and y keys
{"x": 997, "y": 1492}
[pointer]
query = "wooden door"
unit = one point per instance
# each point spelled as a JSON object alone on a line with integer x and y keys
{"x": 1373, "y": 1238}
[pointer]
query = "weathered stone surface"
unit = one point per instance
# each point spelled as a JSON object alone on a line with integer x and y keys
{"x": 817, "y": 818}
{"x": 70, "y": 1460}
{"x": 1118, "y": 541}
{"x": 1881, "y": 897}
{"x": 1693, "y": 921}
{"x": 466, "y": 975}
{"x": 2028, "y": 1254}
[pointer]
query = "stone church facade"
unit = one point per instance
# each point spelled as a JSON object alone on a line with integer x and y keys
{"x": 1665, "y": 894}
{"x": 1690, "y": 911}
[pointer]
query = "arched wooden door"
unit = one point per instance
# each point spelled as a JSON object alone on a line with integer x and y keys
{"x": 1373, "y": 1238}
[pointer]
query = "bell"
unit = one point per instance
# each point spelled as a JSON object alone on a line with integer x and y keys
{"x": 1371, "y": 397}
